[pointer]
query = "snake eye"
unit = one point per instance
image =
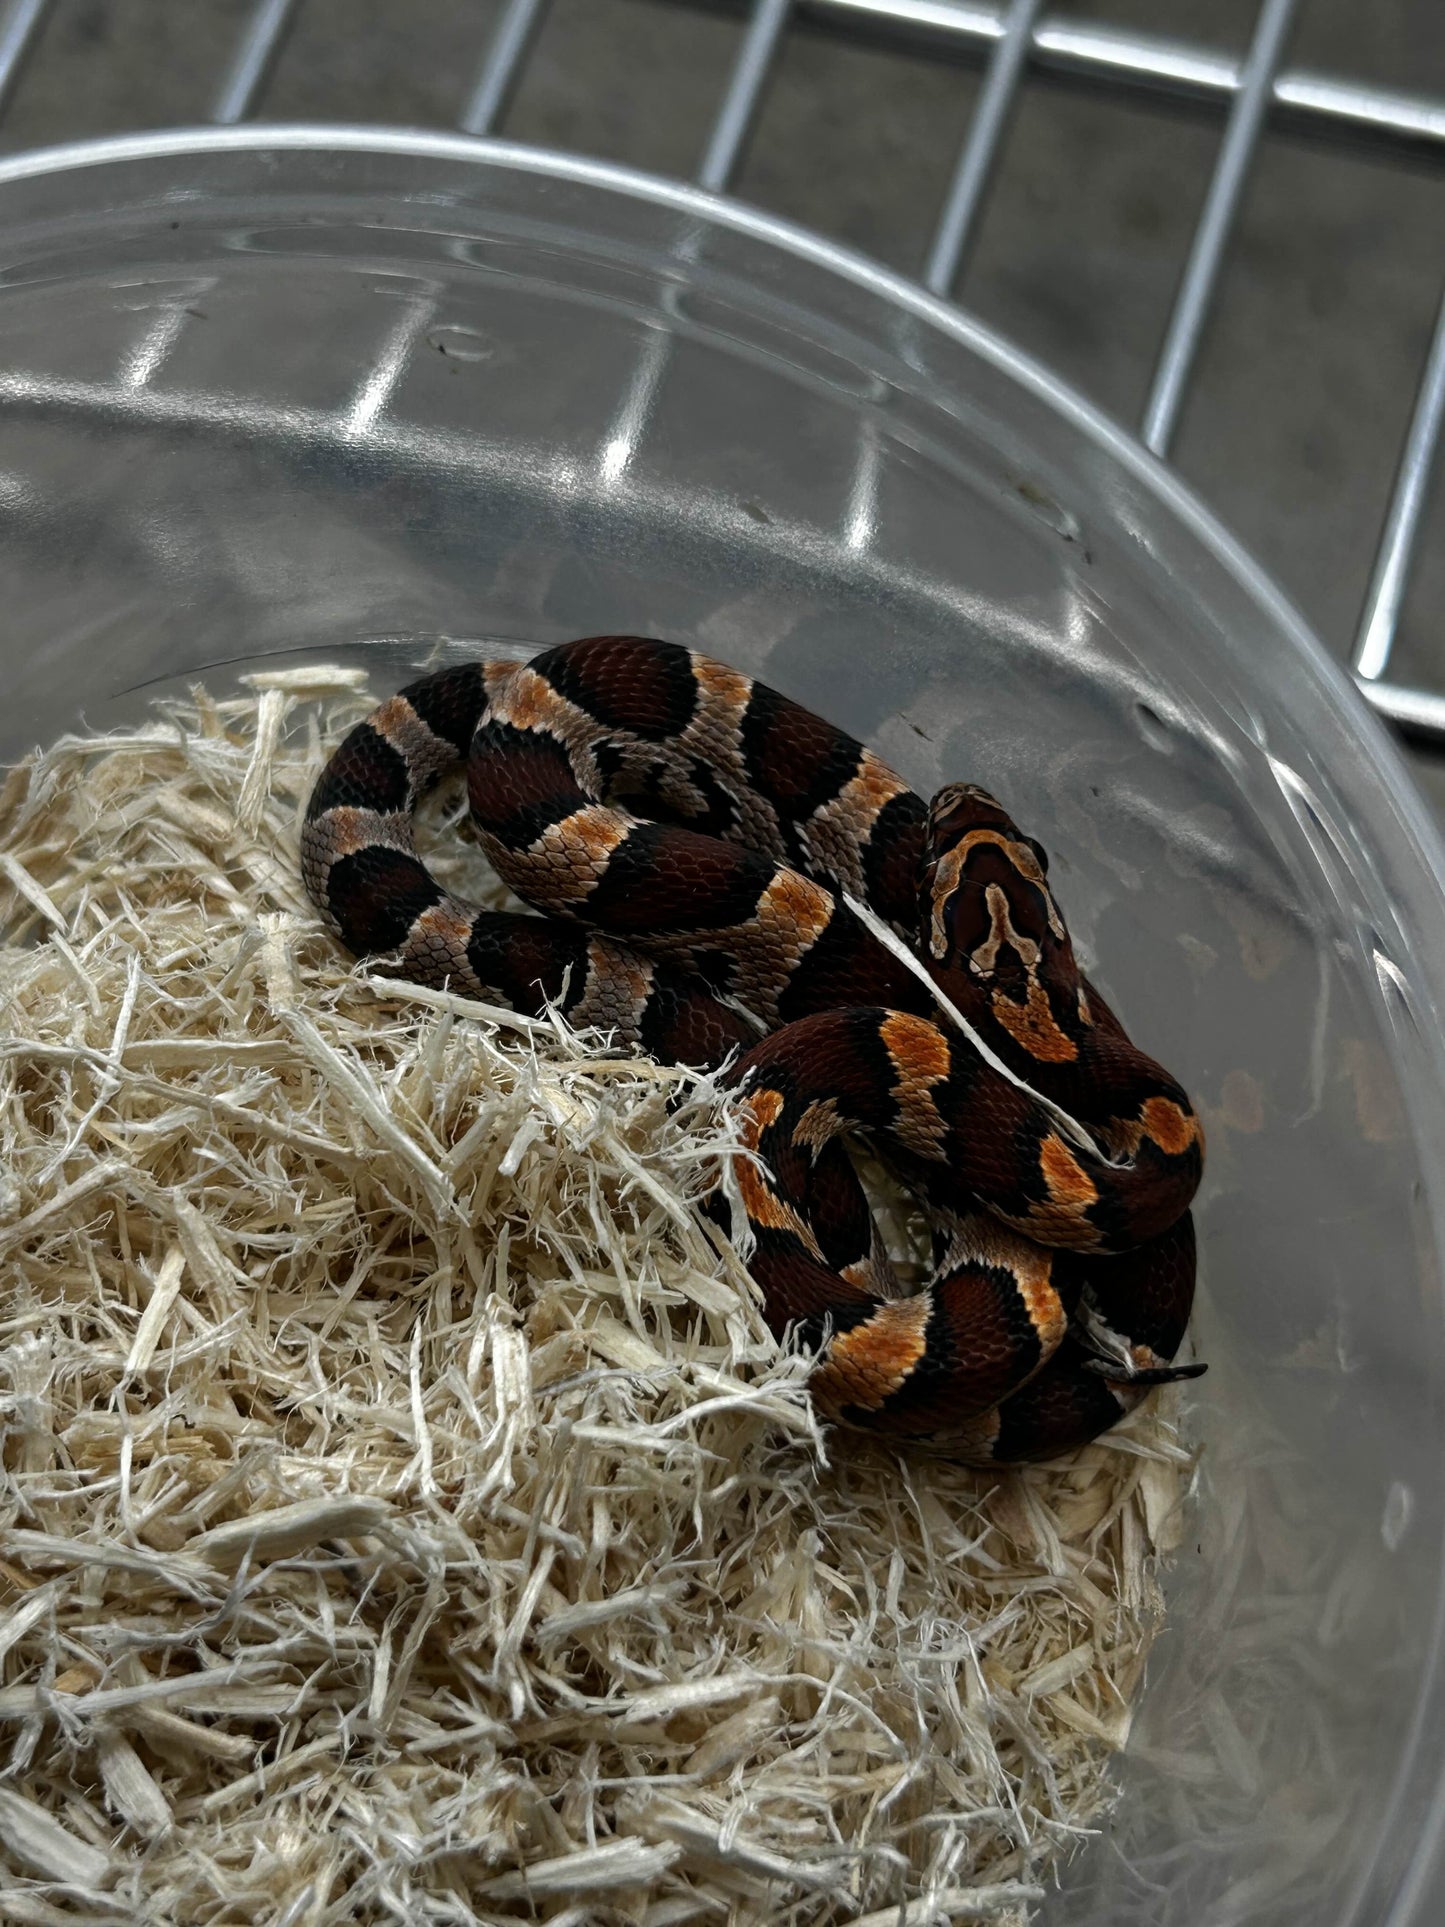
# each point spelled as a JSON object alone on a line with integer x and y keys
{"x": 1040, "y": 852}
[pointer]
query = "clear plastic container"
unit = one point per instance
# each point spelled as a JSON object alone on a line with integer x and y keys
{"x": 271, "y": 395}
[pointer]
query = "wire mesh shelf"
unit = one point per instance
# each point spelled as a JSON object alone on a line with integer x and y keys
{"x": 1246, "y": 95}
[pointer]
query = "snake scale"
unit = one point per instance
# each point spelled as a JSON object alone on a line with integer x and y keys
{"x": 697, "y": 845}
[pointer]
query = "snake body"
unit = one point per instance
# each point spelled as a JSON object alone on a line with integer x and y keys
{"x": 693, "y": 839}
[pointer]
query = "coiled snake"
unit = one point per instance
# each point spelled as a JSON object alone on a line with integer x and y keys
{"x": 697, "y": 844}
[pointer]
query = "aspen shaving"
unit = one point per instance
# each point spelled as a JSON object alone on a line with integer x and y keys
{"x": 407, "y": 1514}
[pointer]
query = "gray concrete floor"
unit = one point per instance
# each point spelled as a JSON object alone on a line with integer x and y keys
{"x": 1305, "y": 382}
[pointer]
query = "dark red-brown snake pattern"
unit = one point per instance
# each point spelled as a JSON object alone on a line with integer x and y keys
{"x": 692, "y": 839}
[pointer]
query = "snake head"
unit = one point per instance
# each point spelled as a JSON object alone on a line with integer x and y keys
{"x": 984, "y": 891}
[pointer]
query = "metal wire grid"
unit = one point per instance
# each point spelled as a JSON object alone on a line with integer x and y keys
{"x": 1013, "y": 37}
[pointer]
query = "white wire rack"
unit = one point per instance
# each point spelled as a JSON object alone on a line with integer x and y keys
{"x": 1011, "y": 39}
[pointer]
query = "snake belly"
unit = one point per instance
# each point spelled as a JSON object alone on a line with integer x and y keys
{"x": 691, "y": 839}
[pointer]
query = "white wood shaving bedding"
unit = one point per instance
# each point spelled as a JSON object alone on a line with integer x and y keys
{"x": 407, "y": 1515}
